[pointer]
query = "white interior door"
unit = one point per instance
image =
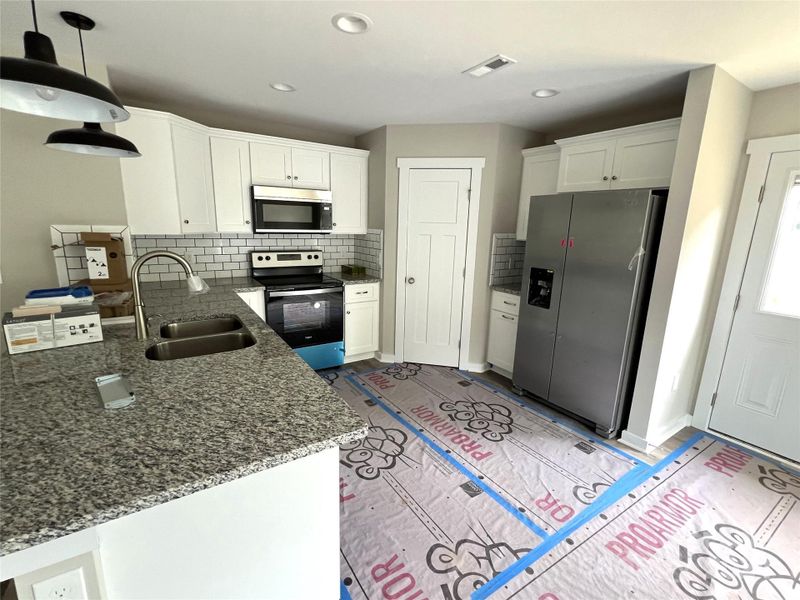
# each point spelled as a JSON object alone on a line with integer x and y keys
{"x": 758, "y": 397}
{"x": 438, "y": 214}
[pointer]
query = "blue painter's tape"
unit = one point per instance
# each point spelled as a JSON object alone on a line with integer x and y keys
{"x": 344, "y": 593}
{"x": 323, "y": 356}
{"x": 625, "y": 484}
{"x": 588, "y": 434}
{"x": 449, "y": 458}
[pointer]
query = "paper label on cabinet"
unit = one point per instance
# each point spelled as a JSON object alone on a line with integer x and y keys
{"x": 97, "y": 262}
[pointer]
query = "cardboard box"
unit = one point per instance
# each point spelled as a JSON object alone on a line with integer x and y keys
{"x": 117, "y": 310}
{"x": 105, "y": 257}
{"x": 75, "y": 324}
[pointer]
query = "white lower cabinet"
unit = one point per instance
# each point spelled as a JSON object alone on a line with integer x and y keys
{"x": 503, "y": 332}
{"x": 361, "y": 320}
{"x": 256, "y": 301}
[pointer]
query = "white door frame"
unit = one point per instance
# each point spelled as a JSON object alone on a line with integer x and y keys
{"x": 405, "y": 165}
{"x": 760, "y": 152}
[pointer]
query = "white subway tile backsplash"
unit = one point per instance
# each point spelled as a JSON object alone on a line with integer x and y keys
{"x": 508, "y": 256}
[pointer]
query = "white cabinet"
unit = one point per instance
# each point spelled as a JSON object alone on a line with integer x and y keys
{"x": 349, "y": 193}
{"x": 192, "y": 155}
{"x": 539, "y": 178}
{"x": 503, "y": 318}
{"x": 632, "y": 157}
{"x": 148, "y": 182}
{"x": 361, "y": 320}
{"x": 288, "y": 166}
{"x": 230, "y": 167}
{"x": 256, "y": 301}
{"x": 270, "y": 164}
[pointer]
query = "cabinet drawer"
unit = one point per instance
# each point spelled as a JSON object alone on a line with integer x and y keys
{"x": 361, "y": 292}
{"x": 507, "y": 303}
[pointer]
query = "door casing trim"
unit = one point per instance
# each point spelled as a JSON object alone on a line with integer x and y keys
{"x": 404, "y": 166}
{"x": 760, "y": 153}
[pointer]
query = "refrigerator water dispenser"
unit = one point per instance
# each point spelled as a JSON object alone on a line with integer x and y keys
{"x": 541, "y": 287}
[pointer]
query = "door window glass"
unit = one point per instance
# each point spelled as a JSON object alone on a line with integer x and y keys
{"x": 781, "y": 293}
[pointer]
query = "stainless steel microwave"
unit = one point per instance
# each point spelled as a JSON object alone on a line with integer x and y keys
{"x": 291, "y": 210}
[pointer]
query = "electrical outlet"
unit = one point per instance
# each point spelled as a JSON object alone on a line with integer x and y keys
{"x": 64, "y": 586}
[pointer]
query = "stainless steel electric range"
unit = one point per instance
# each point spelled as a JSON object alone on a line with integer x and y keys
{"x": 304, "y": 306}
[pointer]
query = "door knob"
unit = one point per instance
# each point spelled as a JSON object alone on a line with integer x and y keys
{"x": 605, "y": 177}
{"x": 613, "y": 178}
{"x": 288, "y": 177}
{"x": 411, "y": 280}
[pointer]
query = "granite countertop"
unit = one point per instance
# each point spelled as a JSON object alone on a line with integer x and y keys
{"x": 69, "y": 464}
{"x": 507, "y": 288}
{"x": 355, "y": 279}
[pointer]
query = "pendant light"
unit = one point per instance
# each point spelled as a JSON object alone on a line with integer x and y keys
{"x": 89, "y": 139}
{"x": 37, "y": 85}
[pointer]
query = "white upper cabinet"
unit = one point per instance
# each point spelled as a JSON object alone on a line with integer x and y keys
{"x": 192, "y": 154}
{"x": 311, "y": 169}
{"x": 539, "y": 178}
{"x": 631, "y": 157}
{"x": 230, "y": 167}
{"x": 270, "y": 164}
{"x": 349, "y": 192}
{"x": 148, "y": 182}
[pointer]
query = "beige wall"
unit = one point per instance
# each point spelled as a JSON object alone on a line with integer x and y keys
{"x": 685, "y": 289}
{"x": 775, "y": 112}
{"x": 500, "y": 145}
{"x": 375, "y": 142}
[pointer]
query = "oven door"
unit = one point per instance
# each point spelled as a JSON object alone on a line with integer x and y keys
{"x": 280, "y": 215}
{"x": 307, "y": 317}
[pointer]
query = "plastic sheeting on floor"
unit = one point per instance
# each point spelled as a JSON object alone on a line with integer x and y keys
{"x": 713, "y": 521}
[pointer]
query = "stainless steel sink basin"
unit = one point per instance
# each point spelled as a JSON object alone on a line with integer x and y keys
{"x": 186, "y": 329}
{"x": 200, "y": 346}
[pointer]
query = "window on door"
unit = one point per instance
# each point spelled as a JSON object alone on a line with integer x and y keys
{"x": 781, "y": 293}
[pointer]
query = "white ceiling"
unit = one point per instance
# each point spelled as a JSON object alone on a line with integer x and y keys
{"x": 605, "y": 57}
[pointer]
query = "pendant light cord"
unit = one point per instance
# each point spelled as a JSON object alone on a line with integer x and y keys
{"x": 35, "y": 21}
{"x": 83, "y": 58}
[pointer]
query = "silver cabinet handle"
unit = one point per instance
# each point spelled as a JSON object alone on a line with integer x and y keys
{"x": 186, "y": 221}
{"x": 288, "y": 177}
{"x": 247, "y": 222}
{"x": 296, "y": 178}
{"x": 348, "y": 312}
{"x": 605, "y": 177}
{"x": 360, "y": 293}
{"x": 507, "y": 317}
{"x": 411, "y": 280}
{"x": 334, "y": 224}
{"x": 613, "y": 178}
{"x": 509, "y": 303}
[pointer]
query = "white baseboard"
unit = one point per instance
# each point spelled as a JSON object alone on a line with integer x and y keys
{"x": 636, "y": 442}
{"x": 655, "y": 438}
{"x": 385, "y": 357}
{"x": 475, "y": 367}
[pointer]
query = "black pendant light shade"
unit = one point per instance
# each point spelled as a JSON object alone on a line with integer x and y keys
{"x": 91, "y": 139}
{"x": 37, "y": 85}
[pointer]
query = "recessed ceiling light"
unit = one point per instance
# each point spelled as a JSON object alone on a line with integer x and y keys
{"x": 545, "y": 93}
{"x": 351, "y": 22}
{"x": 282, "y": 87}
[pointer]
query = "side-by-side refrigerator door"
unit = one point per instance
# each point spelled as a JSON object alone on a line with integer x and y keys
{"x": 606, "y": 232}
{"x": 543, "y": 273}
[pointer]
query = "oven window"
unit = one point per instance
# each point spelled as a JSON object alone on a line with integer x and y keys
{"x": 287, "y": 212}
{"x": 305, "y": 316}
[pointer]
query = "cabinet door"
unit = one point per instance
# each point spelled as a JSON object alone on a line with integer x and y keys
{"x": 192, "y": 156}
{"x": 644, "y": 160}
{"x": 270, "y": 164}
{"x": 311, "y": 169}
{"x": 585, "y": 167}
{"x": 230, "y": 167}
{"x": 148, "y": 182}
{"x": 256, "y": 301}
{"x": 349, "y": 191}
{"x": 360, "y": 328}
{"x": 502, "y": 340}
{"x": 539, "y": 178}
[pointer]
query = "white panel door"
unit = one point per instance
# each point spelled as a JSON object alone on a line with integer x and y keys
{"x": 586, "y": 167}
{"x": 192, "y": 155}
{"x": 644, "y": 160}
{"x": 230, "y": 167}
{"x": 539, "y": 178}
{"x": 349, "y": 192}
{"x": 438, "y": 206}
{"x": 270, "y": 164}
{"x": 311, "y": 169}
{"x": 758, "y": 397}
{"x": 361, "y": 328}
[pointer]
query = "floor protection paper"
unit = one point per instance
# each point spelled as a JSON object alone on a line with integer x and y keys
{"x": 714, "y": 522}
{"x": 413, "y": 524}
{"x": 542, "y": 468}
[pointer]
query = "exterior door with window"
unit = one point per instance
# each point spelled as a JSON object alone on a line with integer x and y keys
{"x": 758, "y": 396}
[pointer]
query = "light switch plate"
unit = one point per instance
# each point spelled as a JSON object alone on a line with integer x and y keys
{"x": 65, "y": 586}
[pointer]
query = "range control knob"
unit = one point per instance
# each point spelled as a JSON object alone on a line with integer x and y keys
{"x": 260, "y": 258}
{"x": 316, "y": 256}
{"x": 309, "y": 257}
{"x": 269, "y": 258}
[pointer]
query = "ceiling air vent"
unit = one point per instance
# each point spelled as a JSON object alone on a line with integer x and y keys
{"x": 490, "y": 65}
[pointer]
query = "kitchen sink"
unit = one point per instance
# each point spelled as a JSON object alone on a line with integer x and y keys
{"x": 186, "y": 329}
{"x": 188, "y": 347}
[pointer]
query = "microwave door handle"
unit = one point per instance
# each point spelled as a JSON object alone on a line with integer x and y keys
{"x": 305, "y": 292}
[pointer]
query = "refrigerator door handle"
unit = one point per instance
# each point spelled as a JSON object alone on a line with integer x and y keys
{"x": 635, "y": 258}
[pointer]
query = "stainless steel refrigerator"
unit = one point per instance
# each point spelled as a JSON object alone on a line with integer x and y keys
{"x": 588, "y": 271}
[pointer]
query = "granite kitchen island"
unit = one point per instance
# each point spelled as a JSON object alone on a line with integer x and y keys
{"x": 207, "y": 484}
